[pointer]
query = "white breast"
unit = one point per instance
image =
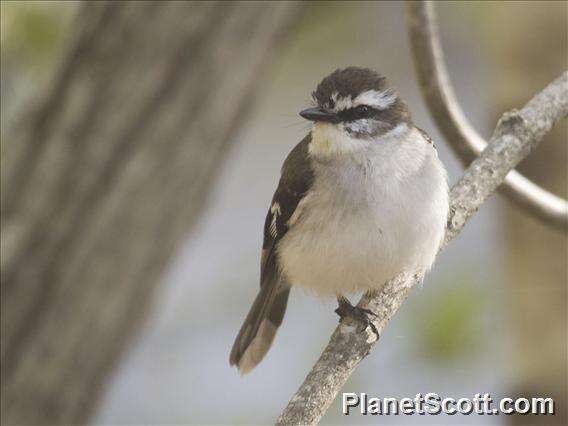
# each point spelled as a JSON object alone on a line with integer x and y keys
{"x": 373, "y": 212}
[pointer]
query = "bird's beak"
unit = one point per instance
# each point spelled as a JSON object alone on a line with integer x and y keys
{"x": 318, "y": 114}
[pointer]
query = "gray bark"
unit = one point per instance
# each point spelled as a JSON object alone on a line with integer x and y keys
{"x": 517, "y": 133}
{"x": 103, "y": 180}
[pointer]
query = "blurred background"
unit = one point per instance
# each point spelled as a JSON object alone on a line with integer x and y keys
{"x": 141, "y": 145}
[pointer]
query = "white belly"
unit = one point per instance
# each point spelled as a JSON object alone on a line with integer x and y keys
{"x": 360, "y": 227}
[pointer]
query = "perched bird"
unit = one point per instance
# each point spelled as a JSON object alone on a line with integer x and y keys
{"x": 361, "y": 198}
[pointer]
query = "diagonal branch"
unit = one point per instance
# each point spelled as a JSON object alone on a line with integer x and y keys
{"x": 454, "y": 125}
{"x": 517, "y": 133}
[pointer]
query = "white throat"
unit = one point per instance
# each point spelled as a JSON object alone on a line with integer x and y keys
{"x": 331, "y": 140}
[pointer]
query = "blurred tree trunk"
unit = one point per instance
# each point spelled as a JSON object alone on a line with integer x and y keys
{"x": 104, "y": 179}
{"x": 536, "y": 254}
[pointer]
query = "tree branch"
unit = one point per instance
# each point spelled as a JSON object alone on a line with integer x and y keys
{"x": 517, "y": 133}
{"x": 462, "y": 137}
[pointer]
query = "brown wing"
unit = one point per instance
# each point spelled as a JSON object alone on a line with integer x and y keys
{"x": 266, "y": 314}
{"x": 426, "y": 136}
{"x": 296, "y": 180}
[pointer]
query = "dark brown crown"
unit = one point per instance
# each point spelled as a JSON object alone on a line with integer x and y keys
{"x": 348, "y": 82}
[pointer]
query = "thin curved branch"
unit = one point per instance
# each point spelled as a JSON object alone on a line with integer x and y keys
{"x": 517, "y": 133}
{"x": 465, "y": 141}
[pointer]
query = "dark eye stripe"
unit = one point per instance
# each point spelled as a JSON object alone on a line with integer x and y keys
{"x": 356, "y": 113}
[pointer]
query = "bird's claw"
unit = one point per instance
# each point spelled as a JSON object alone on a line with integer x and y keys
{"x": 361, "y": 315}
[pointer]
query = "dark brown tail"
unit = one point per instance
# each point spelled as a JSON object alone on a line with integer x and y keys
{"x": 260, "y": 326}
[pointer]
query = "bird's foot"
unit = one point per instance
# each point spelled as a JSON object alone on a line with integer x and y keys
{"x": 361, "y": 315}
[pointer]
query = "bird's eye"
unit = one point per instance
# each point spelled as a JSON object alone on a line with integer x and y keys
{"x": 356, "y": 113}
{"x": 363, "y": 110}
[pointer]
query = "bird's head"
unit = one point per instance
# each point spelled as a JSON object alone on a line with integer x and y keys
{"x": 356, "y": 104}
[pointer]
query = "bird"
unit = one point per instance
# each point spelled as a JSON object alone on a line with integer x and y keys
{"x": 362, "y": 198}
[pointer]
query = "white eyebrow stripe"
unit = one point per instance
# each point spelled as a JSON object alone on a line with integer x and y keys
{"x": 341, "y": 103}
{"x": 379, "y": 100}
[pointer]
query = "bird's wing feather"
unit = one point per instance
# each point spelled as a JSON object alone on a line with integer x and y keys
{"x": 259, "y": 328}
{"x": 426, "y": 136}
{"x": 295, "y": 182}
